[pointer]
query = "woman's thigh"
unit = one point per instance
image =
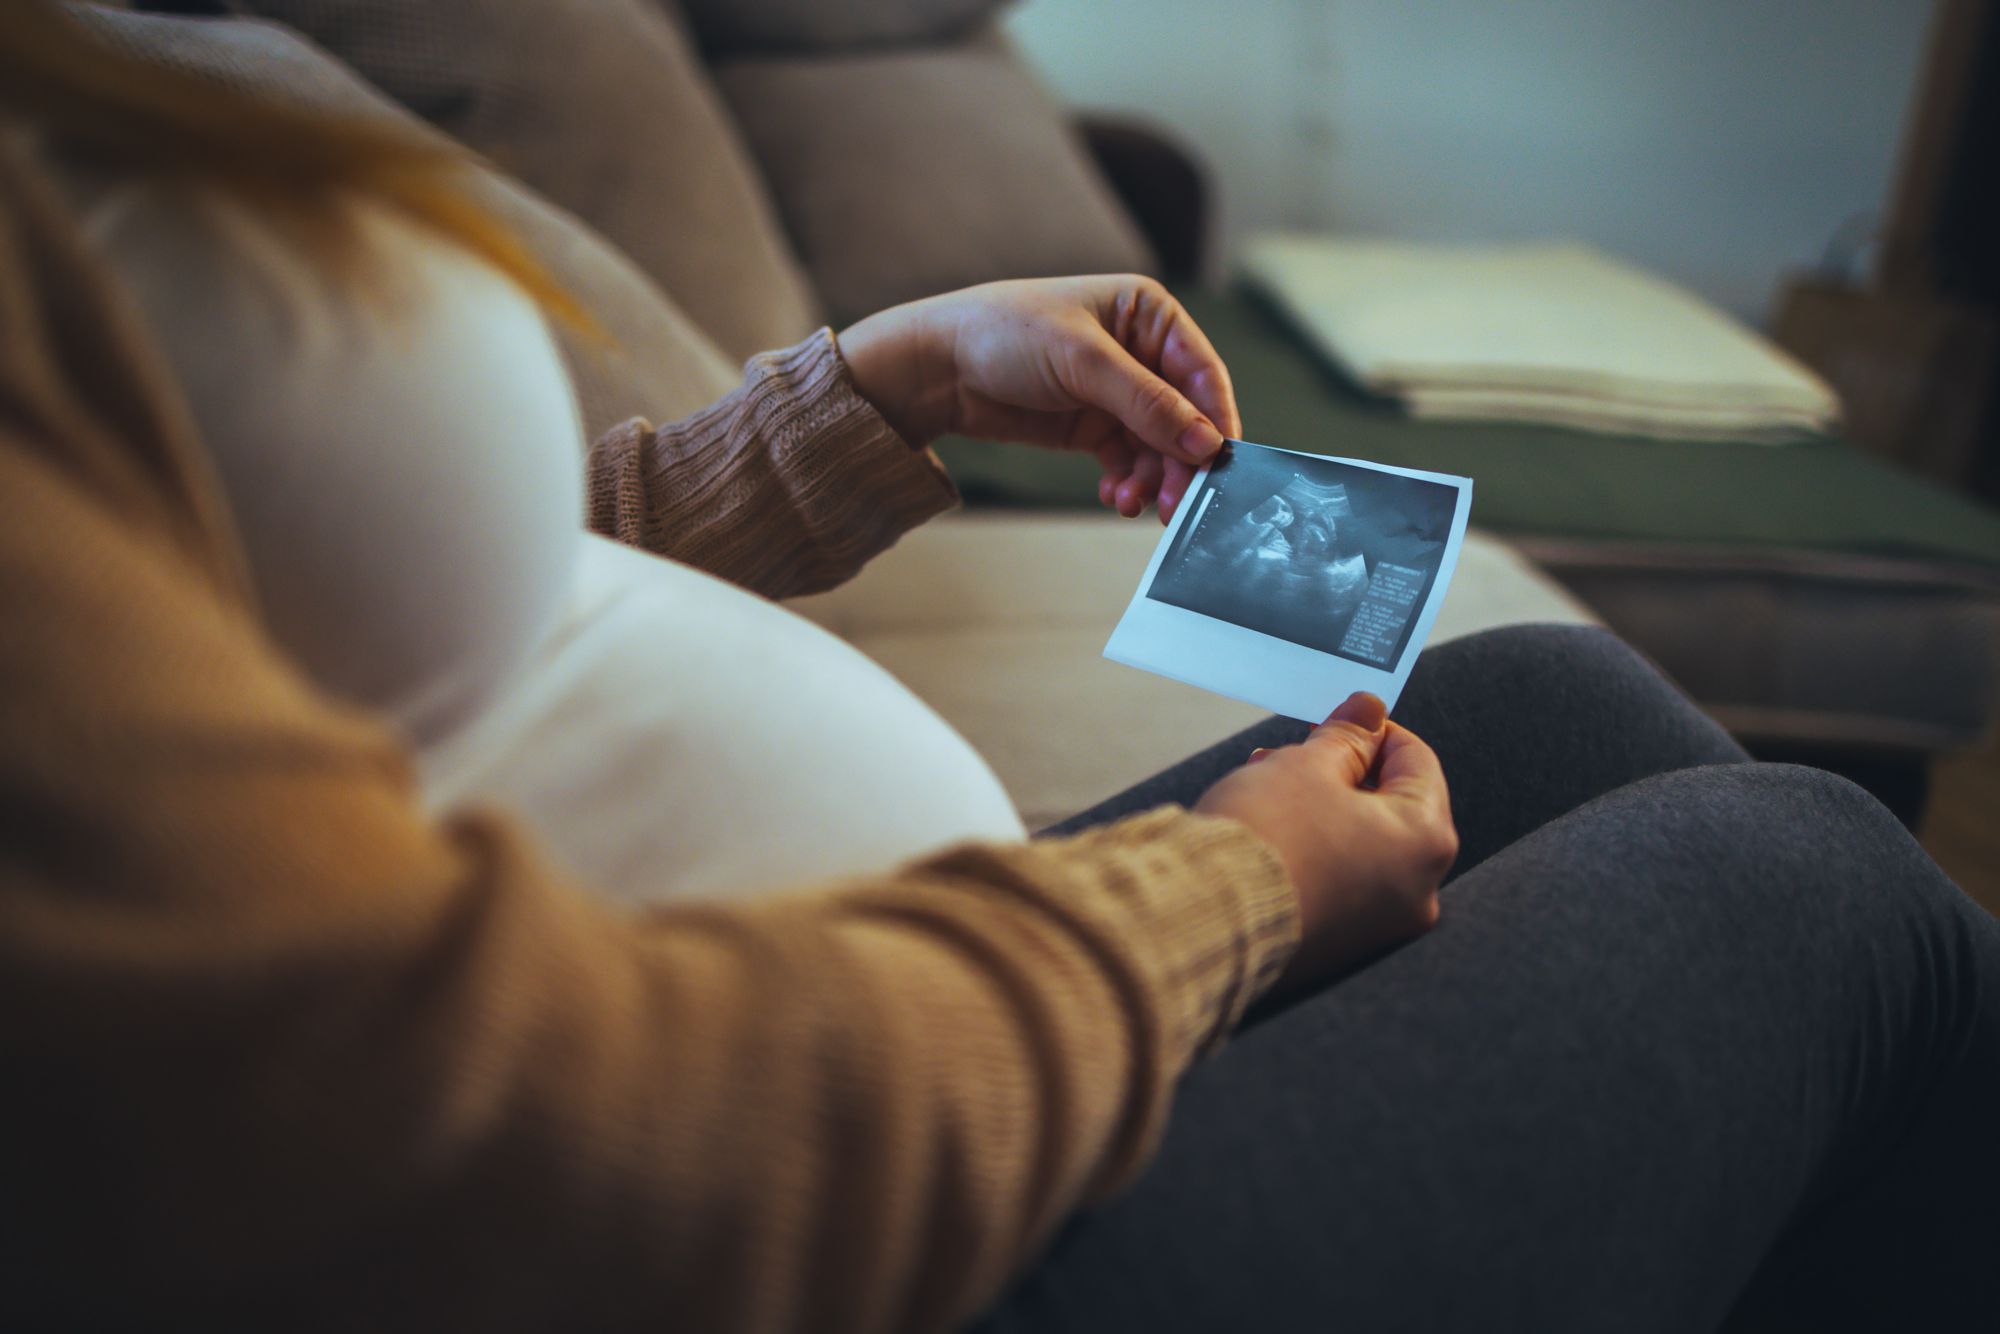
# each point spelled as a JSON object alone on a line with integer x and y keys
{"x": 1641, "y": 1043}
{"x": 1530, "y": 721}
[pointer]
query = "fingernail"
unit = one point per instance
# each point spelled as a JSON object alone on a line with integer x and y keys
{"x": 1258, "y": 754}
{"x": 1200, "y": 440}
{"x": 1362, "y": 710}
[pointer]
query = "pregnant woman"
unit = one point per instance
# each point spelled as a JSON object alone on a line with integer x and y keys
{"x": 765, "y": 1014}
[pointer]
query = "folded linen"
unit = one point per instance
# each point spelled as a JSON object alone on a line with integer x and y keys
{"x": 1556, "y": 333}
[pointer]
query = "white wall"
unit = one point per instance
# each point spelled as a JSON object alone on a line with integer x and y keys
{"x": 1721, "y": 142}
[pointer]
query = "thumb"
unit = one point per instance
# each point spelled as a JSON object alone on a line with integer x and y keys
{"x": 1149, "y": 407}
{"x": 1357, "y": 728}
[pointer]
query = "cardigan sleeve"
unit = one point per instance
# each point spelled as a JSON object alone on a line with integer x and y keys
{"x": 788, "y": 485}
{"x": 285, "y": 1053}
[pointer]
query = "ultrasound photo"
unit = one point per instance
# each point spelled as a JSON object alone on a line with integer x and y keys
{"x": 1315, "y": 551}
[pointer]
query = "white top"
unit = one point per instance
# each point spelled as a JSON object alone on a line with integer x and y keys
{"x": 405, "y": 468}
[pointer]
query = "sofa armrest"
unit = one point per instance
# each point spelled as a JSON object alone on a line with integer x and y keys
{"x": 1162, "y": 185}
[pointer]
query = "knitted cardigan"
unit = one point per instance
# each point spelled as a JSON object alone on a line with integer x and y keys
{"x": 285, "y": 1053}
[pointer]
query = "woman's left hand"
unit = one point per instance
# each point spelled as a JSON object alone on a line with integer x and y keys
{"x": 1112, "y": 366}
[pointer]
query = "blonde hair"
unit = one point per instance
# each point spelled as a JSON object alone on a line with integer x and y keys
{"x": 285, "y": 161}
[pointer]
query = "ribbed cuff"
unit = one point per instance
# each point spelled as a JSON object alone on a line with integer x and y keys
{"x": 819, "y": 425}
{"x": 788, "y": 485}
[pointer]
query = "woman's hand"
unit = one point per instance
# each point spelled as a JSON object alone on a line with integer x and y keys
{"x": 1361, "y": 818}
{"x": 1112, "y": 366}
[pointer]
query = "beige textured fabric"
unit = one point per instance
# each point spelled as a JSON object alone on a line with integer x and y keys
{"x": 604, "y": 108}
{"x": 902, "y": 175}
{"x": 284, "y": 1053}
{"x": 967, "y": 609}
{"x": 653, "y": 360}
{"x": 768, "y": 27}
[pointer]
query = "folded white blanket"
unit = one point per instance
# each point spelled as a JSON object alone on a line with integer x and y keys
{"x": 1554, "y": 333}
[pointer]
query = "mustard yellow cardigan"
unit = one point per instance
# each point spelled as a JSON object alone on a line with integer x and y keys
{"x": 282, "y": 1053}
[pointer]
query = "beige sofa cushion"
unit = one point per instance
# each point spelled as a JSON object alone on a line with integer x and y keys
{"x": 605, "y": 109}
{"x": 654, "y": 362}
{"x": 908, "y": 173}
{"x": 735, "y": 27}
{"x": 998, "y": 622}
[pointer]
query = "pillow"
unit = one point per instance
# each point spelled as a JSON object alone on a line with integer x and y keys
{"x": 1549, "y": 332}
{"x": 603, "y": 108}
{"x": 654, "y": 363}
{"x": 765, "y": 27}
{"x": 652, "y": 360}
{"x": 904, "y": 174}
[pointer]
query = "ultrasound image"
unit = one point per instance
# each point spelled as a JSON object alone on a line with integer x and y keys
{"x": 1320, "y": 553}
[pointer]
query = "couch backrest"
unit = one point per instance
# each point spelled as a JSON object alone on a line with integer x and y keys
{"x": 824, "y": 27}
{"x": 903, "y": 145}
{"x": 605, "y": 109}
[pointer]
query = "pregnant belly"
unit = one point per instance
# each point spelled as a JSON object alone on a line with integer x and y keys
{"x": 678, "y": 737}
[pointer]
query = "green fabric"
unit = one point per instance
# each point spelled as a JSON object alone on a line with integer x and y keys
{"x": 1819, "y": 495}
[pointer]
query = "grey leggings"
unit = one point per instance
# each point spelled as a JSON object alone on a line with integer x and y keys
{"x": 1699, "y": 1043}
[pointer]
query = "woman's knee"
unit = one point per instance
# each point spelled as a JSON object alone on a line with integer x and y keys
{"x": 1837, "y": 824}
{"x": 1759, "y": 869}
{"x": 1533, "y": 668}
{"x": 1577, "y": 682}
{"x": 1807, "y": 840}
{"x": 1546, "y": 656}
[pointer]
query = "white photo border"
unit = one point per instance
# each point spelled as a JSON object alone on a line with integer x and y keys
{"x": 1273, "y": 673}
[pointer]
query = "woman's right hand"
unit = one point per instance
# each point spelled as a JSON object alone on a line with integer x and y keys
{"x": 1365, "y": 857}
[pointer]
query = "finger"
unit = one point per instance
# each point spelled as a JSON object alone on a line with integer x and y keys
{"x": 1191, "y": 363}
{"x": 1410, "y": 769}
{"x": 1109, "y": 377}
{"x": 1115, "y": 457}
{"x": 1175, "y": 478}
{"x": 1353, "y": 733}
{"x": 1211, "y": 390}
{"x": 1157, "y": 329}
{"x": 1138, "y": 490}
{"x": 1364, "y": 709}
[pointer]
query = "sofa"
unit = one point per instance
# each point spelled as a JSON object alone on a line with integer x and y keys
{"x": 712, "y": 177}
